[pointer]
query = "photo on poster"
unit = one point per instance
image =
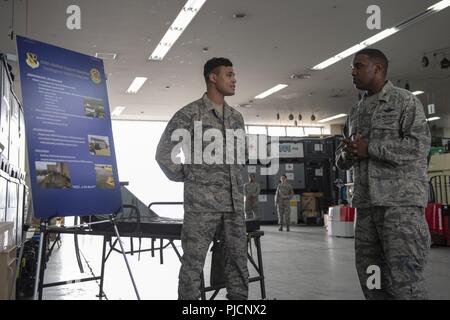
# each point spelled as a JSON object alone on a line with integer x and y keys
{"x": 104, "y": 177}
{"x": 93, "y": 108}
{"x": 53, "y": 175}
{"x": 99, "y": 145}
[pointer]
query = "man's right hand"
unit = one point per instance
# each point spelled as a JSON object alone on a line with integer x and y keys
{"x": 347, "y": 142}
{"x": 348, "y": 148}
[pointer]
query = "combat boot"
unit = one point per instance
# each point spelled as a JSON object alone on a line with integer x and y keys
{"x": 280, "y": 229}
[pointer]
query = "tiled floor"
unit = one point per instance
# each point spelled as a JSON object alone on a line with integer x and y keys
{"x": 303, "y": 264}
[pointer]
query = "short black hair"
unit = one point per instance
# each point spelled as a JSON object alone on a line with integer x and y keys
{"x": 376, "y": 56}
{"x": 214, "y": 63}
{"x": 252, "y": 175}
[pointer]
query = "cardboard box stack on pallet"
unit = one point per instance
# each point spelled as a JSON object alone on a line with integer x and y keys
{"x": 8, "y": 259}
{"x": 310, "y": 207}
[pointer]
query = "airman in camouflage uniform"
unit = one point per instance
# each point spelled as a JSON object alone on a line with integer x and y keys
{"x": 387, "y": 140}
{"x": 282, "y": 199}
{"x": 213, "y": 193}
{"x": 251, "y": 193}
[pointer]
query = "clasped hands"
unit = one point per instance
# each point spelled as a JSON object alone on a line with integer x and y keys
{"x": 358, "y": 148}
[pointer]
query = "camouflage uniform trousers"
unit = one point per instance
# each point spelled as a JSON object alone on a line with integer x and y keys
{"x": 284, "y": 213}
{"x": 397, "y": 240}
{"x": 251, "y": 208}
{"x": 197, "y": 234}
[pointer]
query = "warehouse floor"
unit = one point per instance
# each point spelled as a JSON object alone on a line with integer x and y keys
{"x": 302, "y": 264}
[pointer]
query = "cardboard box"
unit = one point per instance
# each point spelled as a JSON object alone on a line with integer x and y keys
{"x": 310, "y": 213}
{"x": 313, "y": 194}
{"x": 6, "y": 235}
{"x": 310, "y": 201}
{"x": 309, "y": 204}
{"x": 35, "y": 222}
{"x": 7, "y": 269}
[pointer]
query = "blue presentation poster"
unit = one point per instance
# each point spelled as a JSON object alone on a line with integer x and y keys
{"x": 71, "y": 154}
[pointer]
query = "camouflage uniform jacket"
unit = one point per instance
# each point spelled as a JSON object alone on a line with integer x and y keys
{"x": 252, "y": 189}
{"x": 284, "y": 193}
{"x": 207, "y": 187}
{"x": 399, "y": 142}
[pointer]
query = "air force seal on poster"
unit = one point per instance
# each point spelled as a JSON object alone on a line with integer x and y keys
{"x": 95, "y": 76}
{"x": 32, "y": 60}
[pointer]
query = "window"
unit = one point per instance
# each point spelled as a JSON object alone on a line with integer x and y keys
{"x": 277, "y": 131}
{"x": 257, "y": 130}
{"x": 313, "y": 130}
{"x": 295, "y": 131}
{"x": 135, "y": 145}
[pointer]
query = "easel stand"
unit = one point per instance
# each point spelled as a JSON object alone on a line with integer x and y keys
{"x": 45, "y": 231}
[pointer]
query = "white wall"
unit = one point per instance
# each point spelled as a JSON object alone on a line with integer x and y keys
{"x": 135, "y": 143}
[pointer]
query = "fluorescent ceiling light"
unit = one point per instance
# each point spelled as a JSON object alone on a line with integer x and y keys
{"x": 267, "y": 93}
{"x": 433, "y": 119}
{"x": 185, "y": 16}
{"x": 383, "y": 34}
{"x": 379, "y": 36}
{"x": 117, "y": 111}
{"x": 416, "y": 93}
{"x": 136, "y": 84}
{"x": 352, "y": 50}
{"x": 333, "y": 118}
{"x": 338, "y": 57}
{"x": 326, "y": 63}
{"x": 106, "y": 55}
{"x": 440, "y": 5}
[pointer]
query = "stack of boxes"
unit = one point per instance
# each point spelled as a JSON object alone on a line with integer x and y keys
{"x": 309, "y": 166}
{"x": 8, "y": 259}
{"x": 291, "y": 164}
{"x": 13, "y": 189}
{"x": 310, "y": 207}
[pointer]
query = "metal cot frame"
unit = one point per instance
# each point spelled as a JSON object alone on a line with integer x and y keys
{"x": 107, "y": 238}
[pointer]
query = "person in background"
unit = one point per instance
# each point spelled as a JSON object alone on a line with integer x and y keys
{"x": 251, "y": 193}
{"x": 282, "y": 198}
